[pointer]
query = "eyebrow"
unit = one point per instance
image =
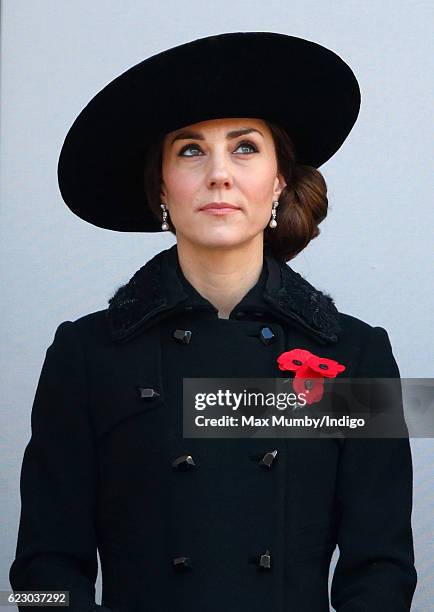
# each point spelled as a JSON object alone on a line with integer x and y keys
{"x": 187, "y": 134}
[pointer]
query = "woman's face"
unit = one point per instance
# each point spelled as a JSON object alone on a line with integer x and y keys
{"x": 229, "y": 161}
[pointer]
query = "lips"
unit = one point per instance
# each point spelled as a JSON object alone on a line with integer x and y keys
{"x": 219, "y": 206}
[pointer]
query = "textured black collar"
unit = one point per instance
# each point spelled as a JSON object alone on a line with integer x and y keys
{"x": 156, "y": 290}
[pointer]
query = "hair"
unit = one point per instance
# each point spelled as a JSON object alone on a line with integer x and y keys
{"x": 302, "y": 206}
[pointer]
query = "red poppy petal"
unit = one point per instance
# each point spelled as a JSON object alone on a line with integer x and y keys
{"x": 316, "y": 390}
{"x": 328, "y": 368}
{"x": 312, "y": 395}
{"x": 307, "y": 372}
{"x": 292, "y": 360}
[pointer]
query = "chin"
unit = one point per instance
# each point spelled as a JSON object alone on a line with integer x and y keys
{"x": 219, "y": 239}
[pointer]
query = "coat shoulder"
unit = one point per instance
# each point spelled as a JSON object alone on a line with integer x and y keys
{"x": 370, "y": 346}
{"x": 357, "y": 332}
{"x": 92, "y": 328}
{"x": 352, "y": 325}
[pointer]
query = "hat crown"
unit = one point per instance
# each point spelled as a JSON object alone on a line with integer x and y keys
{"x": 303, "y": 87}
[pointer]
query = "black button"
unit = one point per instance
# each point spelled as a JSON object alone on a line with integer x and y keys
{"x": 240, "y": 314}
{"x": 147, "y": 393}
{"x": 267, "y": 336}
{"x": 268, "y": 459}
{"x": 183, "y": 463}
{"x": 264, "y": 560}
{"x": 182, "y": 335}
{"x": 182, "y": 564}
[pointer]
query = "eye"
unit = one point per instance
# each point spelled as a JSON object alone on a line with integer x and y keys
{"x": 248, "y": 144}
{"x": 194, "y": 147}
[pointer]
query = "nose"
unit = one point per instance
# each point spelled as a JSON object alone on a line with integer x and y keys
{"x": 219, "y": 174}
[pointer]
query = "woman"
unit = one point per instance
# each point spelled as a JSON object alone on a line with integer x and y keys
{"x": 218, "y": 141}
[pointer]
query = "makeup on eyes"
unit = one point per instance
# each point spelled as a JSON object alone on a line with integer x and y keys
{"x": 196, "y": 146}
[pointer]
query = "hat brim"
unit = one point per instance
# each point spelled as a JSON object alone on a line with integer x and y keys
{"x": 300, "y": 85}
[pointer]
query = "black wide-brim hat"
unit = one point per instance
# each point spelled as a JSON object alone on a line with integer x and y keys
{"x": 298, "y": 84}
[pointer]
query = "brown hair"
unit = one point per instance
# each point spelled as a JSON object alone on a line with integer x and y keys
{"x": 302, "y": 204}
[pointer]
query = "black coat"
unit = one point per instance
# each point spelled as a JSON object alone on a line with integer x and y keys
{"x": 104, "y": 466}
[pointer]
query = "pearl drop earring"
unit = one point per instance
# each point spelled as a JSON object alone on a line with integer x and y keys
{"x": 164, "y": 225}
{"x": 273, "y": 222}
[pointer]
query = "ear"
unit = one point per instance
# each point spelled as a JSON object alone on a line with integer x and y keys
{"x": 163, "y": 192}
{"x": 279, "y": 186}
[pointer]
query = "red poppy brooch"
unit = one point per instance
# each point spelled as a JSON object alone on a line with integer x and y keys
{"x": 310, "y": 371}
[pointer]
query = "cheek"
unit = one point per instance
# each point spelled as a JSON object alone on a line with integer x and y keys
{"x": 259, "y": 187}
{"x": 180, "y": 186}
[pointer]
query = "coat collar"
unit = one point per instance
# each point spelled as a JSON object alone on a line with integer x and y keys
{"x": 157, "y": 289}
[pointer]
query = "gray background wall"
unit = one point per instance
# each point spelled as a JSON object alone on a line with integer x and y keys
{"x": 373, "y": 256}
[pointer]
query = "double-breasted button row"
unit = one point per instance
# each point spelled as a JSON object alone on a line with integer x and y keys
{"x": 186, "y": 462}
{"x": 182, "y": 564}
{"x": 147, "y": 393}
{"x": 265, "y": 334}
{"x": 263, "y": 562}
{"x": 183, "y": 463}
{"x": 269, "y": 459}
{"x": 182, "y": 335}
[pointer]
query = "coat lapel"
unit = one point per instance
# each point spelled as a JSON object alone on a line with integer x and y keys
{"x": 156, "y": 290}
